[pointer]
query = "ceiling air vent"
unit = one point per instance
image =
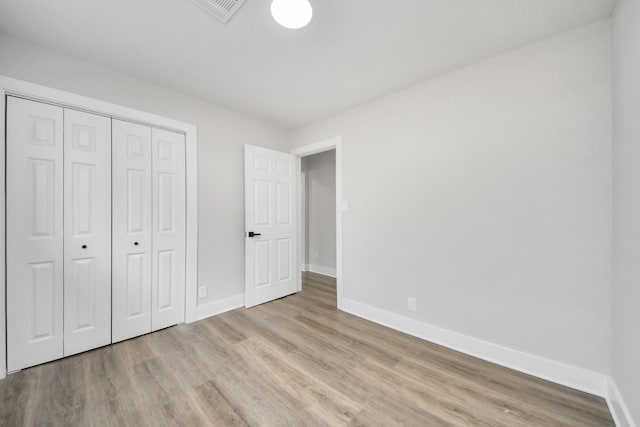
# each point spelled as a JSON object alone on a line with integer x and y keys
{"x": 221, "y": 9}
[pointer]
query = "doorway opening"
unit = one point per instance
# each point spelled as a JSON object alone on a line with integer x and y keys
{"x": 318, "y": 221}
{"x": 320, "y": 216}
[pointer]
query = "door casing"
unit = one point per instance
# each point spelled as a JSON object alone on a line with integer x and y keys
{"x": 308, "y": 150}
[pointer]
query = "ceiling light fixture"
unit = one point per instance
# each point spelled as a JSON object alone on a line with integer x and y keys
{"x": 292, "y": 14}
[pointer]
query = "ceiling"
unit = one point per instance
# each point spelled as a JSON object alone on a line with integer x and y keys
{"x": 352, "y": 52}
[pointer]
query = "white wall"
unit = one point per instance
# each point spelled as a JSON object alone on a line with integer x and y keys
{"x": 320, "y": 212}
{"x": 221, "y": 136}
{"x": 486, "y": 194}
{"x": 626, "y": 203}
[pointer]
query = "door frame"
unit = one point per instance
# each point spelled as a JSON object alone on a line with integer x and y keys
{"x": 35, "y": 92}
{"x": 308, "y": 150}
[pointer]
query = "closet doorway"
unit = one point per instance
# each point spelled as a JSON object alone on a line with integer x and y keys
{"x": 45, "y": 138}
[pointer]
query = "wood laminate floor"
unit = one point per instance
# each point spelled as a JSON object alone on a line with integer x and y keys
{"x": 296, "y": 361}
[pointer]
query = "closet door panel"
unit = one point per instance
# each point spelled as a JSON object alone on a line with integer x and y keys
{"x": 34, "y": 233}
{"x": 168, "y": 228}
{"x": 87, "y": 223}
{"x": 132, "y": 230}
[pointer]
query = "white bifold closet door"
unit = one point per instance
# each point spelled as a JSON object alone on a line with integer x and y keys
{"x": 34, "y": 233}
{"x": 168, "y": 276}
{"x": 132, "y": 232}
{"x": 148, "y": 229}
{"x": 58, "y": 232}
{"x": 87, "y": 231}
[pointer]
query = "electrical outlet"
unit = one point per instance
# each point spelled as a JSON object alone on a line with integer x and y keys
{"x": 411, "y": 304}
{"x": 316, "y": 254}
{"x": 202, "y": 291}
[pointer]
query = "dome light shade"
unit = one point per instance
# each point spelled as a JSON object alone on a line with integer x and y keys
{"x": 292, "y": 14}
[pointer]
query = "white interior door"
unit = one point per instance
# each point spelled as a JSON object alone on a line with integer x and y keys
{"x": 132, "y": 231}
{"x": 34, "y": 233}
{"x": 168, "y": 277}
{"x": 270, "y": 225}
{"x": 87, "y": 231}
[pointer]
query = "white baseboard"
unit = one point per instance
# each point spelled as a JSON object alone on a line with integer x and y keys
{"x": 319, "y": 269}
{"x": 547, "y": 369}
{"x": 218, "y": 307}
{"x": 617, "y": 406}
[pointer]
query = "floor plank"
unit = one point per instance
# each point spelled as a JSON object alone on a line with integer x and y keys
{"x": 296, "y": 361}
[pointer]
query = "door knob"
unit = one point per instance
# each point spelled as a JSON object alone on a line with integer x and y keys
{"x": 252, "y": 234}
